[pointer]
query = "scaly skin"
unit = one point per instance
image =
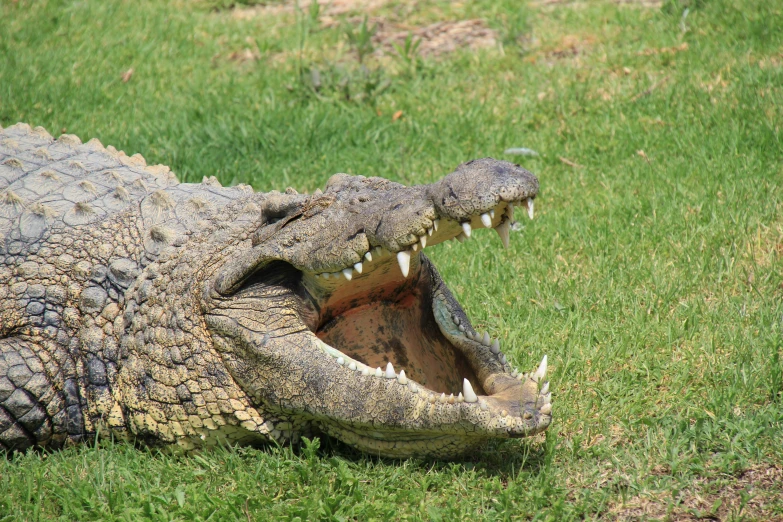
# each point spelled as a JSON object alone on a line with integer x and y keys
{"x": 194, "y": 313}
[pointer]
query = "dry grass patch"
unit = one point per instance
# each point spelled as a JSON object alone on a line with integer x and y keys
{"x": 754, "y": 494}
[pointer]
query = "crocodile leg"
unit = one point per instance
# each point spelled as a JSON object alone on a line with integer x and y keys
{"x": 32, "y": 411}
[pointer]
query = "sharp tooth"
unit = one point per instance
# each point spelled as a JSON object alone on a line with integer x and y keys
{"x": 358, "y": 267}
{"x": 348, "y": 273}
{"x": 486, "y": 220}
{"x": 545, "y": 388}
{"x": 485, "y": 340}
{"x": 340, "y": 361}
{"x": 423, "y": 241}
{"x": 452, "y": 400}
{"x": 435, "y": 224}
{"x": 368, "y": 256}
{"x": 390, "y": 371}
{"x": 461, "y": 328}
{"x": 378, "y": 372}
{"x": 461, "y": 237}
{"x": 455, "y": 318}
{"x": 503, "y": 358}
{"x": 530, "y": 207}
{"x": 325, "y": 275}
{"x": 352, "y": 366}
{"x": 466, "y": 229}
{"x": 514, "y": 373}
{"x": 404, "y": 259}
{"x": 483, "y": 405}
{"x": 546, "y": 398}
{"x": 415, "y": 247}
{"x": 495, "y": 347}
{"x": 429, "y": 231}
{"x": 413, "y": 387}
{"x": 442, "y": 398}
{"x": 541, "y": 372}
{"x": 510, "y": 211}
{"x": 467, "y": 391}
{"x": 492, "y": 213}
{"x": 365, "y": 371}
{"x": 401, "y": 378}
{"x": 460, "y": 398}
{"x": 503, "y": 231}
{"x": 546, "y": 409}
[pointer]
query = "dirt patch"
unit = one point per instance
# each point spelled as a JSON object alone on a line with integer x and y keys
{"x": 755, "y": 494}
{"x": 438, "y": 38}
{"x": 435, "y": 39}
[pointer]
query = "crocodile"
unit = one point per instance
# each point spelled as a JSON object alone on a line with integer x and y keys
{"x": 193, "y": 314}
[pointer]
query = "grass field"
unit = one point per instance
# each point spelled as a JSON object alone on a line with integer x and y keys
{"x": 652, "y": 275}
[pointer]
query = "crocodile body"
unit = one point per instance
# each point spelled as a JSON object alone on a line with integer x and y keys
{"x": 191, "y": 314}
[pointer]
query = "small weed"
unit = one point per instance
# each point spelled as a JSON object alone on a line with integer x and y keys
{"x": 360, "y": 38}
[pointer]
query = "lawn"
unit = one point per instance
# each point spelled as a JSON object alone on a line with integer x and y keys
{"x": 652, "y": 275}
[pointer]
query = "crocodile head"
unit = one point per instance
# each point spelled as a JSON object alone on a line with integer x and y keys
{"x": 336, "y": 317}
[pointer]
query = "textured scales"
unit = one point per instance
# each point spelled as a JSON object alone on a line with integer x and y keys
{"x": 194, "y": 313}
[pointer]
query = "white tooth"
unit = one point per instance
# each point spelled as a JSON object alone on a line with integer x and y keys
{"x": 514, "y": 373}
{"x": 546, "y": 398}
{"x": 401, "y": 377}
{"x": 365, "y": 371}
{"x": 352, "y": 366}
{"x": 378, "y": 372}
{"x": 340, "y": 361}
{"x": 503, "y": 358}
{"x": 495, "y": 347}
{"x": 461, "y": 237}
{"x": 467, "y": 391}
{"x": 452, "y": 400}
{"x": 460, "y": 398}
{"x": 348, "y": 273}
{"x": 435, "y": 224}
{"x": 368, "y": 256}
{"x": 429, "y": 231}
{"x": 455, "y": 318}
{"x": 413, "y": 387}
{"x": 541, "y": 372}
{"x": 390, "y": 371}
{"x": 442, "y": 398}
{"x": 358, "y": 267}
{"x": 492, "y": 213}
{"x": 325, "y": 275}
{"x": 404, "y": 259}
{"x": 546, "y": 409}
{"x": 461, "y": 328}
{"x": 466, "y": 229}
{"x": 415, "y": 247}
{"x": 483, "y": 405}
{"x": 378, "y": 251}
{"x": 545, "y": 388}
{"x": 486, "y": 220}
{"x": 423, "y": 241}
{"x": 503, "y": 231}
{"x": 510, "y": 211}
{"x": 486, "y": 340}
{"x": 530, "y": 207}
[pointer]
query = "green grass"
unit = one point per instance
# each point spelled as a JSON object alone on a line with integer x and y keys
{"x": 652, "y": 275}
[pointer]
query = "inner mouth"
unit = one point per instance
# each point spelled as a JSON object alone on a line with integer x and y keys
{"x": 396, "y": 324}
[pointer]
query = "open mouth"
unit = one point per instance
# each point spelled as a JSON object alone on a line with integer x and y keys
{"x": 391, "y": 317}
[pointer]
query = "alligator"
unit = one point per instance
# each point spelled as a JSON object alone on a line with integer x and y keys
{"x": 192, "y": 314}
